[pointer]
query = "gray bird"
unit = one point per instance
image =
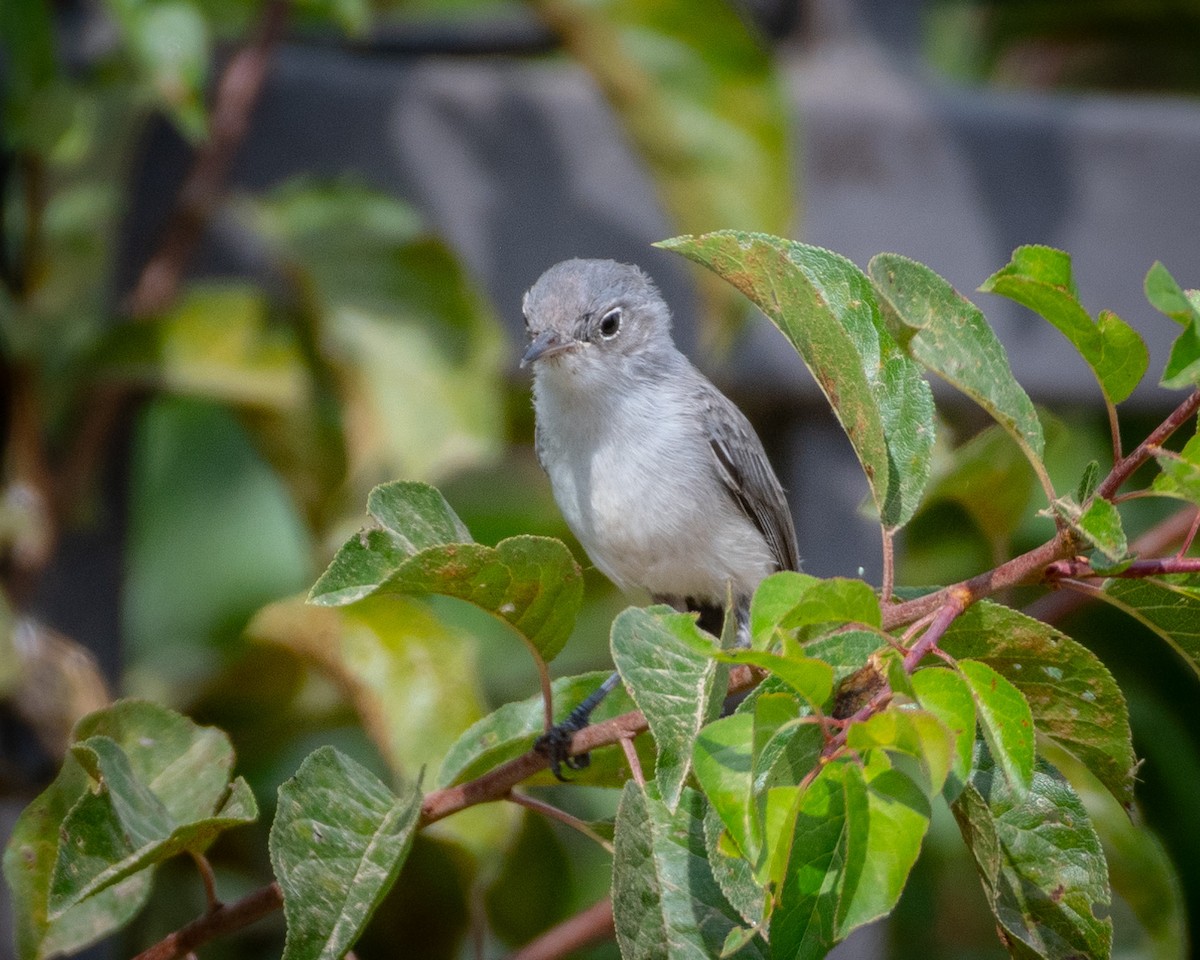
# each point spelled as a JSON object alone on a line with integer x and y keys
{"x": 660, "y": 477}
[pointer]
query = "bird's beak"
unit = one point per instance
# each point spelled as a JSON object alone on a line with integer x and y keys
{"x": 548, "y": 343}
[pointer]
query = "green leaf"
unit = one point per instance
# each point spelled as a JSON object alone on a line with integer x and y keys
{"x": 169, "y": 42}
{"x": 1072, "y": 696}
{"x": 946, "y": 695}
{"x": 1180, "y": 475}
{"x": 1040, "y": 278}
{"x": 510, "y": 730}
{"x": 915, "y": 733}
{"x": 990, "y": 478}
{"x": 723, "y": 759}
{"x": 406, "y": 517}
{"x": 124, "y": 827}
{"x": 1040, "y": 862}
{"x": 1165, "y": 295}
{"x": 678, "y": 688}
{"x": 790, "y": 602}
{"x": 948, "y": 334}
{"x": 414, "y": 544}
{"x": 337, "y": 844}
{"x": 1006, "y": 722}
{"x": 857, "y": 834}
{"x": 188, "y": 769}
{"x": 666, "y": 902}
{"x": 1139, "y": 868}
{"x": 825, "y": 306}
{"x": 199, "y": 491}
{"x": 1170, "y": 606}
{"x": 1098, "y": 523}
{"x": 811, "y": 679}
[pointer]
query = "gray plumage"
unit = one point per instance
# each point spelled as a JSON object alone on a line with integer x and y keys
{"x": 658, "y": 474}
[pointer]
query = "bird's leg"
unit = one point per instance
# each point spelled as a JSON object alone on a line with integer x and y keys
{"x": 555, "y": 743}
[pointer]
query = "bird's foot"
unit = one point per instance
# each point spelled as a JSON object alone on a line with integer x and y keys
{"x": 555, "y": 745}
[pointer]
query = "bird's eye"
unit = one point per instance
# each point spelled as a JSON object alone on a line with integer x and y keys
{"x": 610, "y": 323}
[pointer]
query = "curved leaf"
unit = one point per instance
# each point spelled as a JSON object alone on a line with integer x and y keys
{"x": 337, "y": 844}
{"x": 677, "y": 687}
{"x": 948, "y": 334}
{"x": 414, "y": 544}
{"x": 1006, "y": 721}
{"x": 826, "y": 307}
{"x": 1040, "y": 278}
{"x": 1040, "y": 861}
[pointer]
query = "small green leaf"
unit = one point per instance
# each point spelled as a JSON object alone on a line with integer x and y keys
{"x": 1040, "y": 861}
{"x": 510, "y": 730}
{"x": 916, "y": 733}
{"x": 1170, "y": 606}
{"x": 948, "y": 334}
{"x": 826, "y": 308}
{"x": 124, "y": 827}
{"x": 1165, "y": 295}
{"x": 1088, "y": 482}
{"x": 1098, "y": 523}
{"x": 1040, "y": 278}
{"x": 1073, "y": 697}
{"x": 811, "y": 679}
{"x": 337, "y": 844}
{"x": 675, "y": 686}
{"x": 1180, "y": 475}
{"x": 406, "y": 518}
{"x": 1006, "y": 721}
{"x": 723, "y": 760}
{"x": 946, "y": 695}
{"x": 415, "y": 545}
{"x": 666, "y": 903}
{"x": 789, "y": 602}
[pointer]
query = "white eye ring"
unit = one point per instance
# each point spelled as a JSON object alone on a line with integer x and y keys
{"x": 610, "y": 324}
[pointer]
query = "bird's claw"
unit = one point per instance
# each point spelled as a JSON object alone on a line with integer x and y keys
{"x": 555, "y": 746}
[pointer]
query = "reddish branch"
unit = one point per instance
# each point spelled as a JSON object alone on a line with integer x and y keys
{"x": 216, "y": 923}
{"x": 591, "y": 926}
{"x": 1079, "y": 568}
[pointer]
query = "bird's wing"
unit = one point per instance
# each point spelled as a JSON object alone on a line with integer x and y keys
{"x": 742, "y": 464}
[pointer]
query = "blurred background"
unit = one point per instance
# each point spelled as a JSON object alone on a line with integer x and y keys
{"x": 260, "y": 256}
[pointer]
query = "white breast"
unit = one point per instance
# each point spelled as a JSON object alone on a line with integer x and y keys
{"x": 635, "y": 478}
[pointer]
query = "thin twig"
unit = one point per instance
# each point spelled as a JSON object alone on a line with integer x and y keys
{"x": 1157, "y": 567}
{"x": 208, "y": 878}
{"x": 556, "y": 813}
{"x": 252, "y": 907}
{"x": 593, "y": 925}
{"x": 1124, "y": 468}
{"x": 635, "y": 763}
{"x": 889, "y": 565}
